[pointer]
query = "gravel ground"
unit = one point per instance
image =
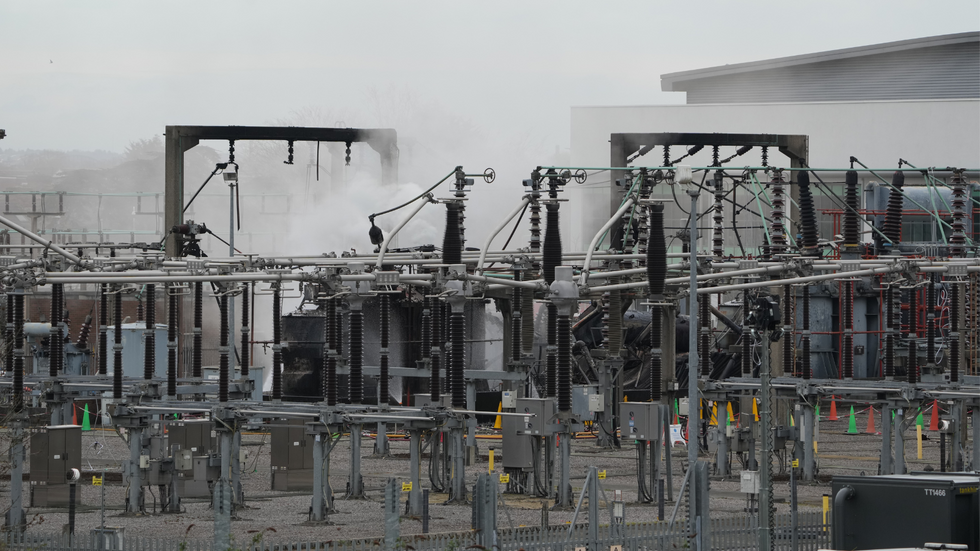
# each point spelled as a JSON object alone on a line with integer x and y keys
{"x": 286, "y": 513}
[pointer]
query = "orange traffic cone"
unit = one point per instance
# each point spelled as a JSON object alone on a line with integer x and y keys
{"x": 833, "y": 410}
{"x": 74, "y": 414}
{"x": 871, "y": 421}
{"x": 934, "y": 420}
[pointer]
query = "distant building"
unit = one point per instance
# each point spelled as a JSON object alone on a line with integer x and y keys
{"x": 918, "y": 100}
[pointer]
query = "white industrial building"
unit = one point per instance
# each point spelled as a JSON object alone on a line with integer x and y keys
{"x": 918, "y": 100}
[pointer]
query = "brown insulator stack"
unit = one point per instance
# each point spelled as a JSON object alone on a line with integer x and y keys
{"x": 954, "y": 331}
{"x": 718, "y": 216}
{"x": 912, "y": 374}
{"x": 778, "y": 237}
{"x": 852, "y": 224}
{"x": 150, "y": 348}
{"x": 808, "y": 214}
{"x": 805, "y": 338}
{"x": 957, "y": 239}
{"x": 847, "y": 320}
{"x": 892, "y": 227}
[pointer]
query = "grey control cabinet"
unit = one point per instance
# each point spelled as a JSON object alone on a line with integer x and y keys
{"x": 196, "y": 436}
{"x": 539, "y": 413}
{"x": 292, "y": 457}
{"x": 907, "y": 510}
{"x": 54, "y": 450}
{"x": 516, "y": 446}
{"x": 641, "y": 420}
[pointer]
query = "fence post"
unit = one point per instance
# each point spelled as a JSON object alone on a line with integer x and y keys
{"x": 391, "y": 514}
{"x": 485, "y": 511}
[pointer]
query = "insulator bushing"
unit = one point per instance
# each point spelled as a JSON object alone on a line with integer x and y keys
{"x": 957, "y": 237}
{"x": 140, "y": 316}
{"x": 615, "y": 324}
{"x": 656, "y": 252}
{"x": 808, "y": 214}
{"x": 892, "y": 227}
{"x": 447, "y": 349}
{"x": 172, "y": 345}
{"x": 452, "y": 244}
{"x": 385, "y": 314}
{"x": 223, "y": 358}
{"x": 197, "y": 353}
{"x": 778, "y": 227}
{"x": 84, "y": 332}
{"x": 55, "y": 347}
{"x": 245, "y": 354}
{"x": 117, "y": 353}
{"x": 435, "y": 380}
{"x": 889, "y": 361}
{"x": 15, "y": 317}
{"x": 551, "y": 363}
{"x": 805, "y": 339}
{"x": 516, "y": 319}
{"x": 527, "y": 325}
{"x": 852, "y": 226}
{"x": 276, "y": 344}
{"x": 356, "y": 347}
{"x": 149, "y": 349}
{"x": 718, "y": 216}
{"x": 564, "y": 363}
{"x": 551, "y": 257}
{"x": 913, "y": 363}
{"x": 457, "y": 328}
{"x": 103, "y": 325}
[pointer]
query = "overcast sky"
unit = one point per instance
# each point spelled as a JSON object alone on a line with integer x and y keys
{"x": 97, "y": 74}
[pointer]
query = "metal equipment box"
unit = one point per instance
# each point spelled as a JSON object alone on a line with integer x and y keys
{"x": 516, "y": 446}
{"x": 196, "y": 435}
{"x": 581, "y": 398}
{"x": 54, "y": 450}
{"x": 641, "y": 420}
{"x": 539, "y": 413}
{"x": 907, "y": 510}
{"x": 292, "y": 456}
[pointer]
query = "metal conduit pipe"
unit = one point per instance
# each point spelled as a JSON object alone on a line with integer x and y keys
{"x": 427, "y": 198}
{"x": 627, "y": 204}
{"x": 503, "y": 224}
{"x": 38, "y": 239}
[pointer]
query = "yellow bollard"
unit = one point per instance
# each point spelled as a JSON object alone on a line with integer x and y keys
{"x": 826, "y": 507}
{"x": 490, "y": 471}
{"x": 918, "y": 439}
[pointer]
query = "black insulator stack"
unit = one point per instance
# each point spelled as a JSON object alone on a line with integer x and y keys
{"x": 789, "y": 366}
{"x": 604, "y": 306}
{"x": 452, "y": 244}
{"x": 912, "y": 374}
{"x": 805, "y": 339}
{"x": 516, "y": 306}
{"x": 847, "y": 319}
{"x": 8, "y": 336}
{"x": 718, "y": 215}
{"x": 246, "y": 298}
{"x": 564, "y": 363}
{"x": 356, "y": 347}
{"x": 931, "y": 319}
{"x": 957, "y": 238}
{"x": 778, "y": 236}
{"x": 196, "y": 359}
{"x": 172, "y": 345}
{"x": 642, "y": 236}
{"x": 447, "y": 349}
{"x": 103, "y": 329}
{"x": 889, "y": 361}
{"x": 852, "y": 226}
{"x": 457, "y": 327}
{"x": 746, "y": 337}
{"x": 808, "y": 214}
{"x": 331, "y": 324}
{"x": 117, "y": 350}
{"x": 435, "y": 381}
{"x": 615, "y": 322}
{"x": 657, "y": 252}
{"x": 954, "y": 332}
{"x": 892, "y": 227}
{"x": 55, "y": 337}
{"x": 140, "y": 316}
{"x": 704, "y": 335}
{"x": 223, "y": 349}
{"x": 276, "y": 344}
{"x": 150, "y": 349}
{"x": 551, "y": 363}
{"x": 552, "y": 244}
{"x": 385, "y": 312}
{"x": 527, "y": 325}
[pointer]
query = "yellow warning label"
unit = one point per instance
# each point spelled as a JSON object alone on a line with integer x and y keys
{"x": 96, "y": 481}
{"x": 602, "y": 474}
{"x": 504, "y": 478}
{"x": 796, "y": 463}
{"x": 406, "y": 486}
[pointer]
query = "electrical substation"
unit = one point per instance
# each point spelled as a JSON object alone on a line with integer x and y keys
{"x": 746, "y": 352}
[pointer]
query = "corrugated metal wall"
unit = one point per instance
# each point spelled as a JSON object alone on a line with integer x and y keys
{"x": 939, "y": 72}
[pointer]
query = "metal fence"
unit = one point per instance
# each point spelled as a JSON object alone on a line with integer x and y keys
{"x": 726, "y": 534}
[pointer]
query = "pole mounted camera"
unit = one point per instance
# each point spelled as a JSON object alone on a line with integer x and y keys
{"x": 73, "y": 475}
